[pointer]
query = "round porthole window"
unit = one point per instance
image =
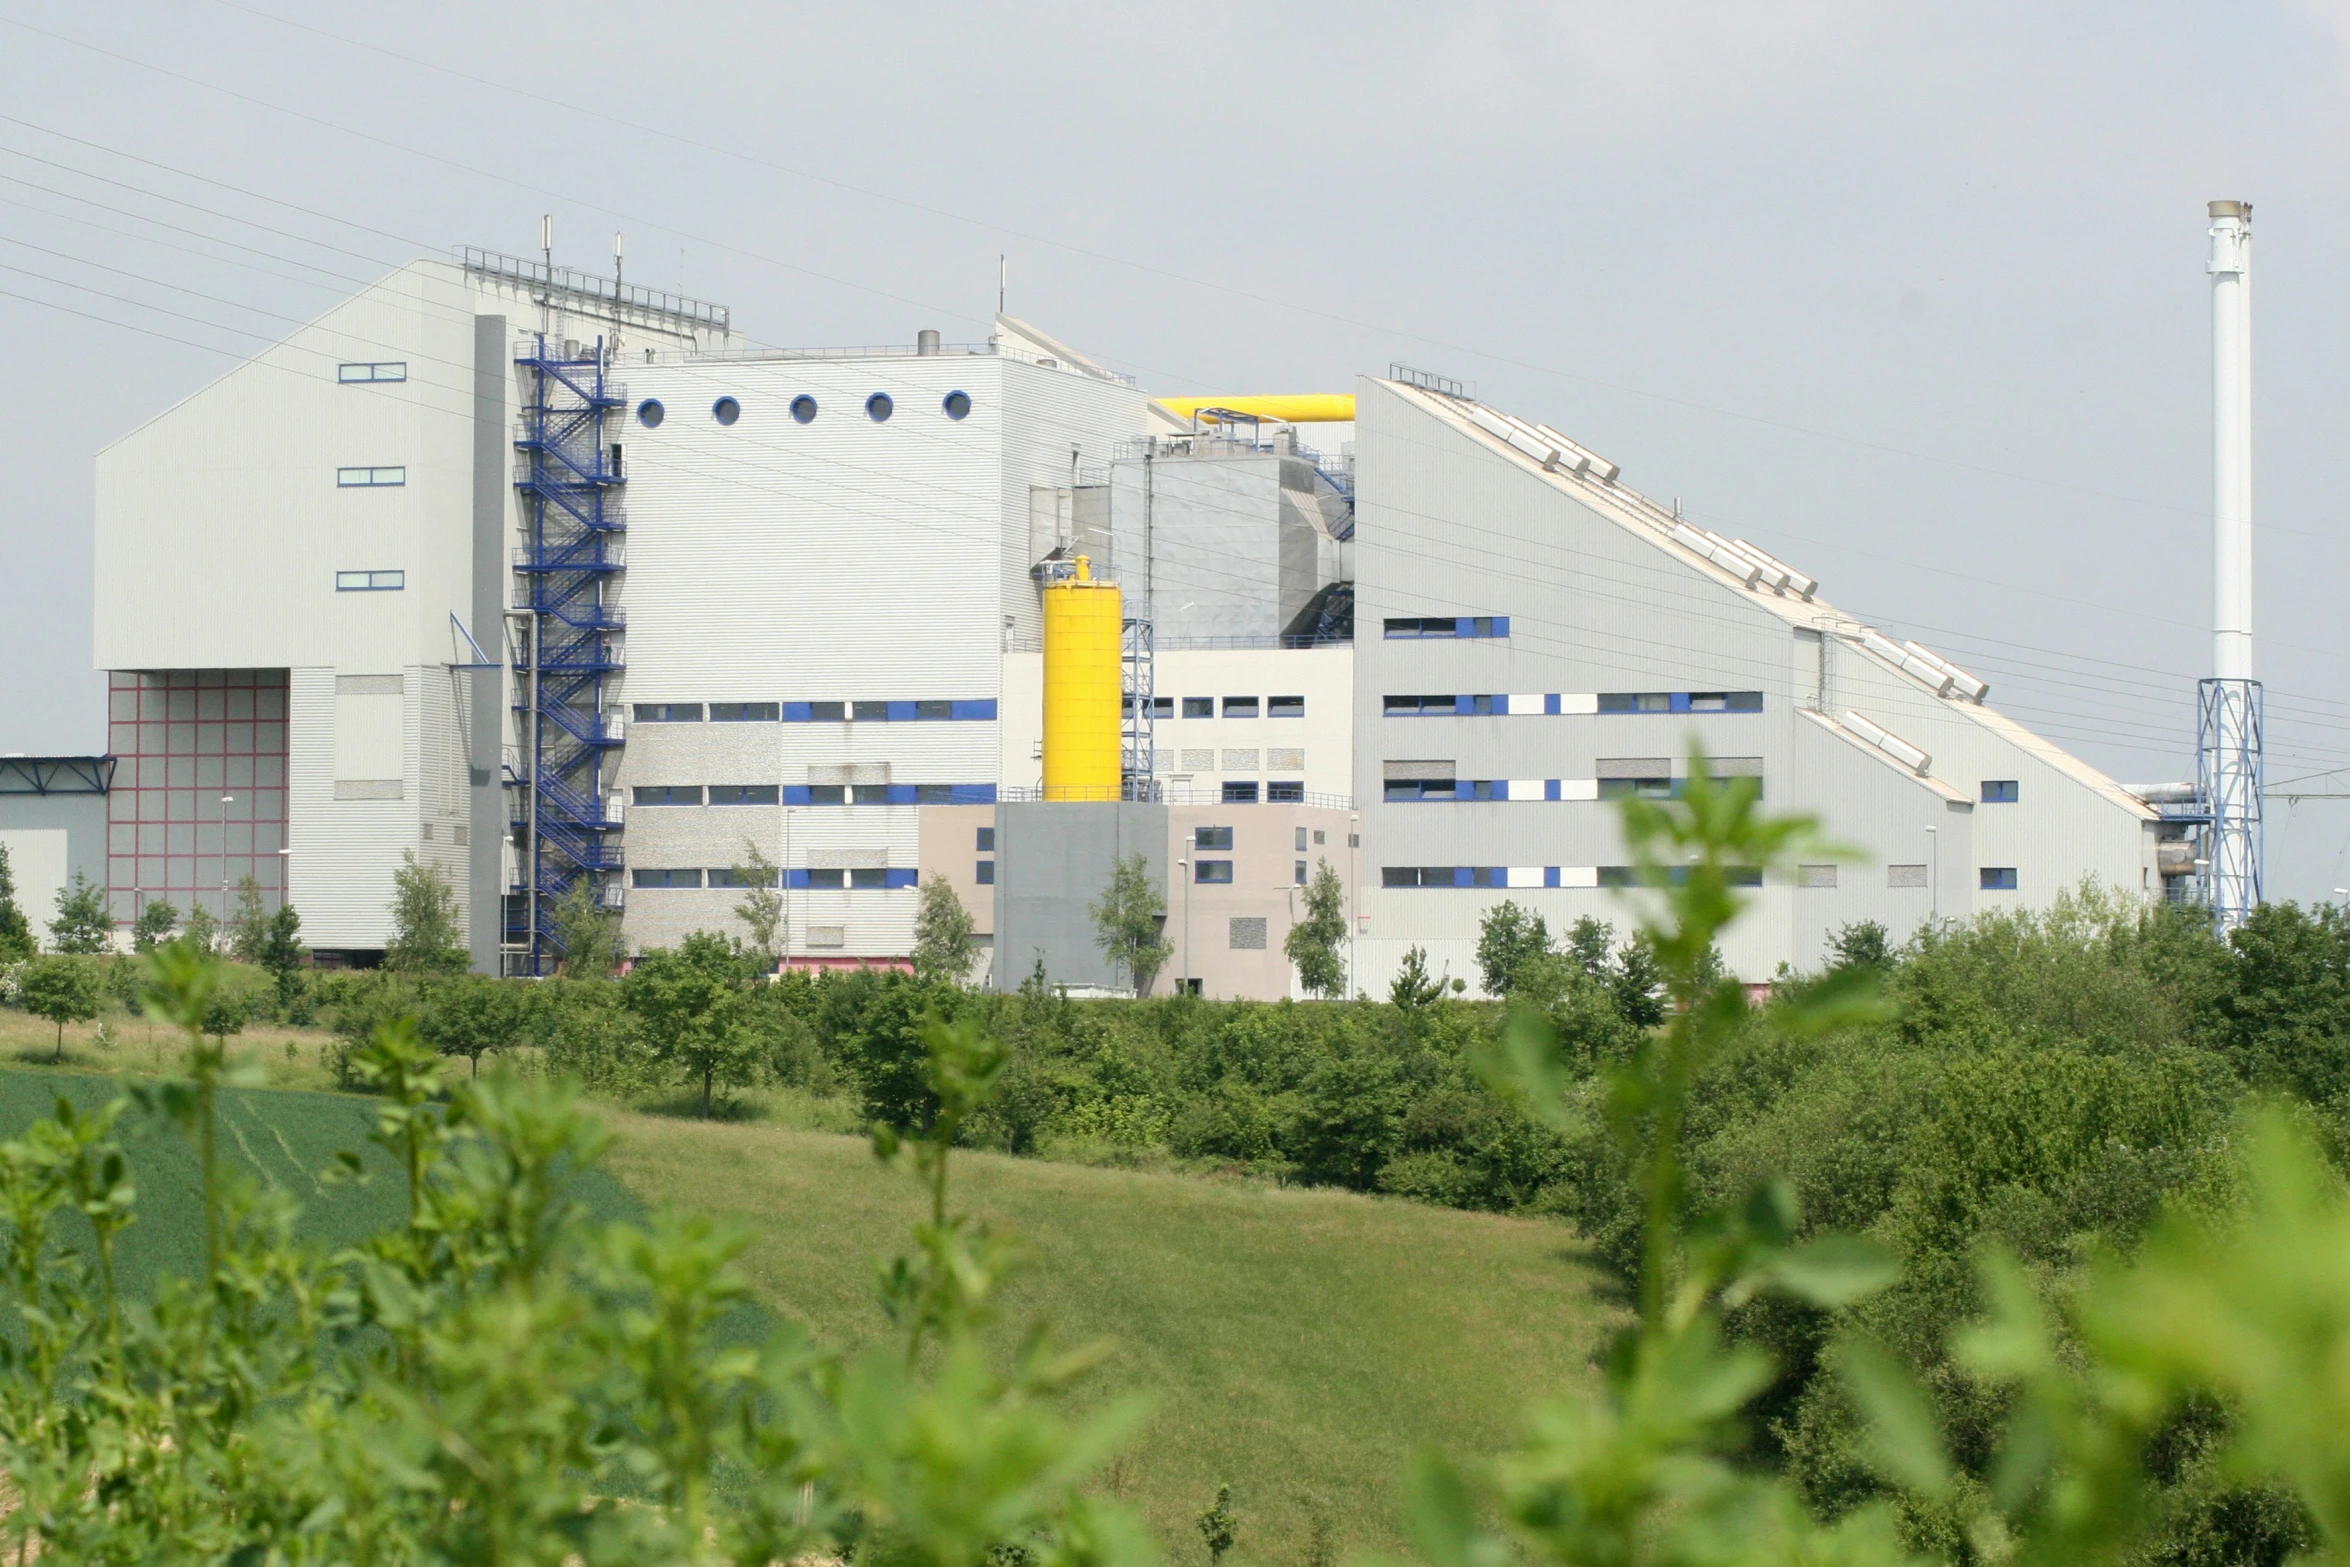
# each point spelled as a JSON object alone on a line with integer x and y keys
{"x": 879, "y": 407}
{"x": 957, "y": 404}
{"x": 803, "y": 408}
{"x": 726, "y": 410}
{"x": 650, "y": 413}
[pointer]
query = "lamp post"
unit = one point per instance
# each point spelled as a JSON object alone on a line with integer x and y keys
{"x": 1934, "y": 876}
{"x": 1183, "y": 868}
{"x": 226, "y": 801}
{"x": 783, "y": 875}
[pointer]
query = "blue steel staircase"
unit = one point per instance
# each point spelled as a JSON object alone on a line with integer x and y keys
{"x": 569, "y": 483}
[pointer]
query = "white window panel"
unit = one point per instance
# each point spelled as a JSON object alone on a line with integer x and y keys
{"x": 1578, "y": 875}
{"x": 1528, "y": 789}
{"x": 1579, "y": 702}
{"x": 1578, "y": 788}
{"x": 1521, "y": 705}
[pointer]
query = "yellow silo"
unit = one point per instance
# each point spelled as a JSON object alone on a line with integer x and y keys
{"x": 1083, "y": 625}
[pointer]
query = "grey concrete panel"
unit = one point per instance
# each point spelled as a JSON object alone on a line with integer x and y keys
{"x": 1053, "y": 861}
{"x": 492, "y": 483}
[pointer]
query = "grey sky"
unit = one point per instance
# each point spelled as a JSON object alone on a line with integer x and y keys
{"x": 1913, "y": 298}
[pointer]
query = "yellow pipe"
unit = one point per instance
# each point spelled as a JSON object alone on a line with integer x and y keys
{"x": 1294, "y": 408}
{"x": 1083, "y": 631}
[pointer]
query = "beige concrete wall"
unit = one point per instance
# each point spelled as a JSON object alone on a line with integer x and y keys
{"x": 1265, "y": 886}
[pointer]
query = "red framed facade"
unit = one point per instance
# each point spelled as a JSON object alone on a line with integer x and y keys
{"x": 183, "y": 739}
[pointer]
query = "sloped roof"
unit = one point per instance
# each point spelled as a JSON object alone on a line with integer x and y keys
{"x": 1597, "y": 484}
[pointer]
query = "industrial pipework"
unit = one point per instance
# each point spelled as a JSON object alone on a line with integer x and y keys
{"x": 1083, "y": 650}
{"x": 1292, "y": 408}
{"x": 2229, "y": 717}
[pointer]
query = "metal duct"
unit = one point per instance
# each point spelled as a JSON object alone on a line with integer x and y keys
{"x": 1891, "y": 744}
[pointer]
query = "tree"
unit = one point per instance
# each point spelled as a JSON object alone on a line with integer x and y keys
{"x": 589, "y": 932}
{"x": 82, "y": 925}
{"x": 427, "y": 937}
{"x": 1127, "y": 919}
{"x": 1637, "y": 982}
{"x": 689, "y": 1003}
{"x": 16, "y": 936}
{"x": 203, "y": 929}
{"x": 1217, "y": 1527}
{"x": 1509, "y": 939}
{"x": 1414, "y": 986}
{"x": 281, "y": 949}
{"x": 762, "y": 906}
{"x": 472, "y": 1015}
{"x": 1591, "y": 942}
{"x": 248, "y": 928}
{"x": 1313, "y": 943}
{"x": 1860, "y": 944}
{"x": 944, "y": 942}
{"x": 154, "y": 925}
{"x": 63, "y": 990}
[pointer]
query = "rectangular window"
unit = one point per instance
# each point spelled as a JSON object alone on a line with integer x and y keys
{"x": 669, "y": 794}
{"x": 1199, "y": 707}
{"x": 1619, "y": 876}
{"x": 1285, "y": 707}
{"x": 1212, "y": 872}
{"x": 649, "y": 878}
{"x": 1301, "y": 840}
{"x": 938, "y": 712}
{"x": 869, "y": 712}
{"x": 933, "y": 794}
{"x": 1247, "y": 933}
{"x": 1998, "y": 878}
{"x": 1449, "y": 626}
{"x": 1398, "y": 876}
{"x": 829, "y": 880}
{"x": 668, "y": 712}
{"x": 1236, "y": 793}
{"x": 1818, "y": 876}
{"x": 732, "y": 877}
{"x": 370, "y": 478}
{"x": 985, "y": 873}
{"x": 1905, "y": 876}
{"x": 1636, "y": 788}
{"x": 1240, "y": 707}
{"x": 1286, "y": 791}
{"x": 828, "y": 794}
{"x": 987, "y": 840}
{"x": 382, "y": 370}
{"x": 743, "y": 794}
{"x": 1212, "y": 838}
{"x": 370, "y": 581}
{"x": 1301, "y": 873}
{"x": 1999, "y": 791}
{"x": 869, "y": 794}
{"x": 828, "y": 712}
{"x": 1413, "y": 706}
{"x": 868, "y": 880}
{"x": 744, "y": 712}
{"x": 1420, "y": 789}
{"x": 1162, "y": 707}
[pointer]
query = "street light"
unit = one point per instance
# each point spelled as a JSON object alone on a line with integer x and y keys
{"x": 226, "y": 801}
{"x": 1934, "y": 877}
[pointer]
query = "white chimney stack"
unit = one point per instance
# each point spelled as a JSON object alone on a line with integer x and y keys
{"x": 2231, "y": 437}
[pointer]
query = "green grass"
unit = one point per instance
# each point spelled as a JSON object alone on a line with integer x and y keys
{"x": 1297, "y": 1344}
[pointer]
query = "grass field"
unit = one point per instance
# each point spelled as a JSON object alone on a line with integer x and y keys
{"x": 1297, "y": 1344}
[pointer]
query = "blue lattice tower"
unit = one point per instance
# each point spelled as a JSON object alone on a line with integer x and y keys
{"x": 2229, "y": 778}
{"x": 568, "y": 482}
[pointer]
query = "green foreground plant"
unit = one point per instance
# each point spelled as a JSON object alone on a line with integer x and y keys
{"x": 2245, "y": 1312}
{"x": 500, "y": 1380}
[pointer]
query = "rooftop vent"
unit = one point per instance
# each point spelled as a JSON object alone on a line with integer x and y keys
{"x": 1892, "y": 745}
{"x": 1926, "y": 667}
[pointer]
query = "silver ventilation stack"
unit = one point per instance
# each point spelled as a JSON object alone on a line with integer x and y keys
{"x": 2228, "y": 706}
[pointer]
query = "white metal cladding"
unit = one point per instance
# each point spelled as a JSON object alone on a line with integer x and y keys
{"x": 770, "y": 558}
{"x": 1054, "y": 422}
{"x": 219, "y": 526}
{"x": 344, "y": 851}
{"x": 1601, "y": 600}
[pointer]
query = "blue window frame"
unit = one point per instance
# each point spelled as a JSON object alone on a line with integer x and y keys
{"x": 1238, "y": 793}
{"x": 1286, "y": 791}
{"x": 744, "y": 712}
{"x": 957, "y": 405}
{"x": 668, "y": 712}
{"x": 879, "y": 407}
{"x": 744, "y": 794}
{"x": 1680, "y": 701}
{"x": 1240, "y": 707}
{"x": 1211, "y": 838}
{"x": 1199, "y": 707}
{"x": 927, "y": 710}
{"x": 380, "y": 370}
{"x": 1998, "y": 878}
{"x": 653, "y": 878}
{"x": 987, "y": 840}
{"x": 1214, "y": 873}
{"x": 1401, "y": 789}
{"x": 2000, "y": 791}
{"x": 370, "y": 581}
{"x": 1419, "y": 626}
{"x": 1285, "y": 707}
{"x": 370, "y": 478}
{"x": 985, "y": 873}
{"x": 668, "y": 794}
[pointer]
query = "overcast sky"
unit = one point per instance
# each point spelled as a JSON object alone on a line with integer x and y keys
{"x": 1913, "y": 297}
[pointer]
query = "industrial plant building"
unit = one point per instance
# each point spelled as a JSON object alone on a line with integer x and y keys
{"x": 562, "y": 584}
